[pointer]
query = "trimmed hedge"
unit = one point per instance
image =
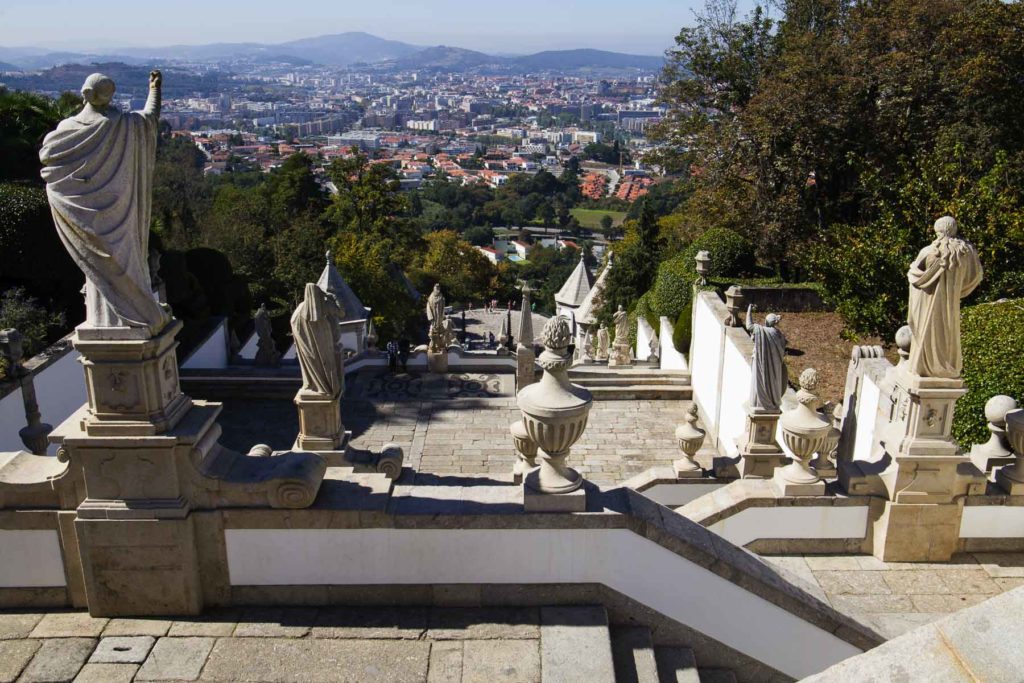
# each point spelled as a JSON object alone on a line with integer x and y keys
{"x": 673, "y": 285}
{"x": 731, "y": 253}
{"x": 992, "y": 336}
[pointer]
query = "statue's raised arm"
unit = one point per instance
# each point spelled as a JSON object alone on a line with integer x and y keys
{"x": 155, "y": 99}
{"x": 98, "y": 168}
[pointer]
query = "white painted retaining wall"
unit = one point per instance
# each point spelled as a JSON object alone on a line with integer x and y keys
{"x": 669, "y": 583}
{"x": 867, "y": 412}
{"x": 60, "y": 391}
{"x": 829, "y": 521}
{"x": 212, "y": 354}
{"x": 734, "y": 394}
{"x": 706, "y": 353}
{"x": 644, "y": 334}
{"x": 31, "y": 559}
{"x": 671, "y": 358}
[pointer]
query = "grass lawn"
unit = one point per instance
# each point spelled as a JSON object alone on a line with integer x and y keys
{"x": 591, "y": 218}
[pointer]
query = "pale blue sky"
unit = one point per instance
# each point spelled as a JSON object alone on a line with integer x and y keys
{"x": 520, "y": 26}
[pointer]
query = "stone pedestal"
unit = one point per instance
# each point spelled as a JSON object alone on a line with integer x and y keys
{"x": 132, "y": 380}
{"x": 760, "y": 453}
{"x": 536, "y": 501}
{"x": 320, "y": 427}
{"x": 526, "y": 361}
{"x": 620, "y": 355}
{"x": 908, "y": 532}
{"x": 437, "y": 362}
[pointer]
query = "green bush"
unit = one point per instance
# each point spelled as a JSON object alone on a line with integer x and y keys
{"x": 684, "y": 329}
{"x": 731, "y": 253}
{"x": 673, "y": 285}
{"x": 993, "y": 346}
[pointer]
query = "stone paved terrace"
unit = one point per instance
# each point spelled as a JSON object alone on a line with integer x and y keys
{"x": 460, "y": 426}
{"x": 431, "y": 645}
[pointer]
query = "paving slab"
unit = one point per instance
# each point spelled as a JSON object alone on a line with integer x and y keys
{"x": 318, "y": 661}
{"x": 505, "y": 661}
{"x": 575, "y": 645}
{"x": 445, "y": 662}
{"x": 58, "y": 660}
{"x": 371, "y": 622}
{"x": 484, "y": 623}
{"x": 211, "y": 627}
{"x": 15, "y": 625}
{"x": 283, "y": 622}
{"x": 107, "y": 673}
{"x": 122, "y": 650}
{"x": 138, "y": 627}
{"x": 69, "y": 625}
{"x": 852, "y": 583}
{"x": 14, "y": 657}
{"x": 176, "y": 659}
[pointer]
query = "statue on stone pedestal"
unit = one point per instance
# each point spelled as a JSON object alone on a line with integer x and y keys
{"x": 266, "y": 350}
{"x": 98, "y": 167}
{"x": 317, "y": 342}
{"x": 602, "y": 342}
{"x": 943, "y": 273}
{"x": 621, "y": 320}
{"x": 437, "y": 336}
{"x": 769, "y": 369}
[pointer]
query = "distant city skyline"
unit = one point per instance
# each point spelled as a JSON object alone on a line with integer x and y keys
{"x": 528, "y": 26}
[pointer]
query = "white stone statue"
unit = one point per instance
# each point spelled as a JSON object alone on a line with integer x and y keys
{"x": 98, "y": 168}
{"x": 621, "y": 320}
{"x": 317, "y": 342}
{"x": 943, "y": 273}
{"x": 435, "y": 307}
{"x": 770, "y": 377}
{"x": 266, "y": 350}
{"x": 602, "y": 342}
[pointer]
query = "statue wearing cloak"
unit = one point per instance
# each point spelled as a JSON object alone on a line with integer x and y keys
{"x": 770, "y": 378}
{"x": 98, "y": 168}
{"x": 317, "y": 342}
{"x": 943, "y": 273}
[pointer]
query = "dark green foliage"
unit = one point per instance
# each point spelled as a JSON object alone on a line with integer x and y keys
{"x": 25, "y": 118}
{"x": 25, "y": 314}
{"x": 731, "y": 253}
{"x": 673, "y": 286}
{"x": 683, "y": 330}
{"x": 992, "y": 336}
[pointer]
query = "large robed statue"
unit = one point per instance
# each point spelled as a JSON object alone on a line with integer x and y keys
{"x": 769, "y": 368}
{"x": 98, "y": 168}
{"x": 944, "y": 272}
{"x": 317, "y": 335}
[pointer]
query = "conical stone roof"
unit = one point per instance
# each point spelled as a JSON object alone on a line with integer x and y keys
{"x": 332, "y": 282}
{"x": 575, "y": 289}
{"x": 587, "y": 311}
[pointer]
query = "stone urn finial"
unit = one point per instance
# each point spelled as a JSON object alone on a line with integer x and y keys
{"x": 734, "y": 302}
{"x": 804, "y": 431}
{"x": 1011, "y": 477}
{"x": 703, "y": 259}
{"x": 690, "y": 439}
{"x": 554, "y": 412}
{"x": 903, "y": 341}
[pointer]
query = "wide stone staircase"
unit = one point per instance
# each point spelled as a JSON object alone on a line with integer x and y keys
{"x": 639, "y": 381}
{"x": 636, "y": 659}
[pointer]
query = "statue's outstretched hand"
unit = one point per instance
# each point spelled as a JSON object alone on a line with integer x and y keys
{"x": 156, "y": 78}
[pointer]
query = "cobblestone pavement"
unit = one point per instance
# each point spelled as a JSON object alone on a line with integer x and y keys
{"x": 461, "y": 427}
{"x": 896, "y": 597}
{"x": 355, "y": 644}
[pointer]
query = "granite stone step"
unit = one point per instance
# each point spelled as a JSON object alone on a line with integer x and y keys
{"x": 633, "y": 655}
{"x": 642, "y": 392}
{"x": 676, "y": 665}
{"x": 716, "y": 676}
{"x": 575, "y": 645}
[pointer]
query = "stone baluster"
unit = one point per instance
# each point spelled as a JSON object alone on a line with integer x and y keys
{"x": 555, "y": 414}
{"x": 996, "y": 451}
{"x": 34, "y": 433}
{"x": 690, "y": 439}
{"x": 1011, "y": 477}
{"x": 804, "y": 431}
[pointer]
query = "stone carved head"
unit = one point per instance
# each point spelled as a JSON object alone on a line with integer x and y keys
{"x": 98, "y": 90}
{"x": 772, "y": 319}
{"x": 946, "y": 227}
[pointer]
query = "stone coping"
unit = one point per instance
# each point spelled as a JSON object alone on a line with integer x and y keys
{"x": 357, "y": 504}
{"x": 36, "y": 364}
{"x": 749, "y": 493}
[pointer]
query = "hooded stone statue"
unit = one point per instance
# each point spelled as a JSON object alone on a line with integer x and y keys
{"x": 943, "y": 273}
{"x": 98, "y": 168}
{"x": 769, "y": 368}
{"x": 317, "y": 342}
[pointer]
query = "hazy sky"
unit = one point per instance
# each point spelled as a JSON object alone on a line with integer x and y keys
{"x": 518, "y": 26}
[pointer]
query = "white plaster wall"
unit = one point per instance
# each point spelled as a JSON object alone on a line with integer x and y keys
{"x": 735, "y": 392}
{"x": 618, "y": 558}
{"x": 250, "y": 347}
{"x": 992, "y": 521}
{"x": 30, "y": 559}
{"x": 644, "y": 334}
{"x": 212, "y": 354}
{"x": 793, "y": 522}
{"x": 671, "y": 359}
{"x": 867, "y": 410}
{"x": 60, "y": 390}
{"x": 289, "y": 354}
{"x": 706, "y": 361}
